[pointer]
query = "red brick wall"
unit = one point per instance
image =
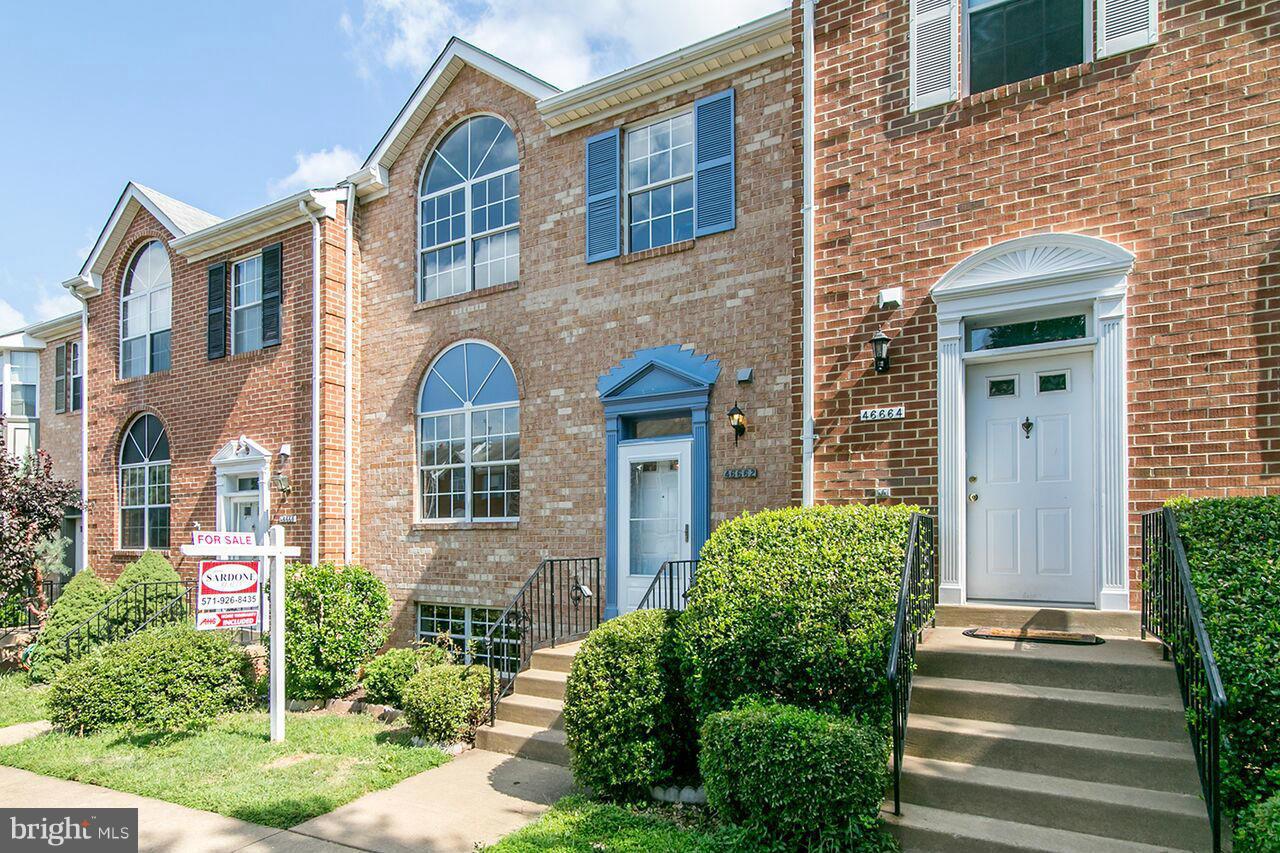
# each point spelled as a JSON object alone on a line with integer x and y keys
{"x": 1169, "y": 151}
{"x": 563, "y": 325}
{"x": 59, "y": 432}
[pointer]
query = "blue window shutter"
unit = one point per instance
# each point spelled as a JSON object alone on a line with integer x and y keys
{"x": 604, "y": 173}
{"x": 713, "y": 167}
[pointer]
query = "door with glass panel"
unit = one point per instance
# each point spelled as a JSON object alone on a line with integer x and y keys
{"x": 655, "y": 508}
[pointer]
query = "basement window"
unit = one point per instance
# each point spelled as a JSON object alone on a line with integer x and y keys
{"x": 466, "y": 627}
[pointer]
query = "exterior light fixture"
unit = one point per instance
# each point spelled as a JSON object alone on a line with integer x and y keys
{"x": 280, "y": 482}
{"x": 737, "y": 420}
{"x": 880, "y": 349}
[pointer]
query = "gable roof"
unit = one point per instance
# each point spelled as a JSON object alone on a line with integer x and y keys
{"x": 179, "y": 218}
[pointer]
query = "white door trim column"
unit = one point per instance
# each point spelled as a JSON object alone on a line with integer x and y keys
{"x": 1025, "y": 275}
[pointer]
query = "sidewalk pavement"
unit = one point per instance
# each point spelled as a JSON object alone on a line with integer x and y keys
{"x": 478, "y": 797}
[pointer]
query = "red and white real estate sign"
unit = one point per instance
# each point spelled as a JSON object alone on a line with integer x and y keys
{"x": 229, "y": 594}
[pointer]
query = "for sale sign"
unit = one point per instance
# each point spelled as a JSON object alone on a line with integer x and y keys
{"x": 229, "y": 594}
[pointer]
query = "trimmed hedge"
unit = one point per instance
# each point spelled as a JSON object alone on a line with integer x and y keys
{"x": 626, "y": 716}
{"x": 83, "y": 596}
{"x": 1259, "y": 828}
{"x": 151, "y": 567}
{"x": 386, "y": 675}
{"x": 161, "y": 679}
{"x": 796, "y": 605}
{"x": 336, "y": 619}
{"x": 796, "y": 779}
{"x": 445, "y": 704}
{"x": 1233, "y": 549}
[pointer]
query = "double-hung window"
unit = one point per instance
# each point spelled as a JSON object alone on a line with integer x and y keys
{"x": 660, "y": 183}
{"x": 145, "y": 312}
{"x": 246, "y": 305}
{"x": 466, "y": 628}
{"x": 469, "y": 211}
{"x": 68, "y": 381}
{"x": 1012, "y": 40}
{"x": 21, "y": 382}
{"x": 144, "y": 486}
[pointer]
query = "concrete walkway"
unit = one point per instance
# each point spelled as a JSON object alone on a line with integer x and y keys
{"x": 478, "y": 797}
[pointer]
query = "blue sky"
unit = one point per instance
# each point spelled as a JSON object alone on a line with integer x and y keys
{"x": 229, "y": 105}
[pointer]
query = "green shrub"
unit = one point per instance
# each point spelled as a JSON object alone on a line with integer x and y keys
{"x": 336, "y": 619}
{"x": 386, "y": 675}
{"x": 160, "y": 679}
{"x": 1233, "y": 549}
{"x": 796, "y": 605}
{"x": 1259, "y": 828}
{"x": 445, "y": 704}
{"x": 82, "y": 597}
{"x": 626, "y": 715}
{"x": 796, "y": 779}
{"x": 150, "y": 568}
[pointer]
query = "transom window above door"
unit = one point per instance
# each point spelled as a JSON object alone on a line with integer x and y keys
{"x": 985, "y": 335}
{"x": 469, "y": 211}
{"x": 145, "y": 312}
{"x": 469, "y": 437}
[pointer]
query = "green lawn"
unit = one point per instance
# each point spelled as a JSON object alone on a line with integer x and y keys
{"x": 232, "y": 767}
{"x": 578, "y": 825}
{"x": 20, "y": 700}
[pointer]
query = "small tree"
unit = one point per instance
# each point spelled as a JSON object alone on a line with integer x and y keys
{"x": 32, "y": 504}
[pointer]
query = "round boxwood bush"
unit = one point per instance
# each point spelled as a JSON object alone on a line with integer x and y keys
{"x": 445, "y": 704}
{"x": 150, "y": 568}
{"x": 336, "y": 619}
{"x": 386, "y": 675}
{"x": 82, "y": 597}
{"x": 796, "y": 779}
{"x": 626, "y": 717}
{"x": 796, "y": 605}
{"x": 160, "y": 679}
{"x": 1259, "y": 828}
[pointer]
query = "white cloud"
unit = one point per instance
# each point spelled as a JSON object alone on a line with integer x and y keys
{"x": 10, "y": 318}
{"x": 316, "y": 169}
{"x": 566, "y": 42}
{"x": 54, "y": 301}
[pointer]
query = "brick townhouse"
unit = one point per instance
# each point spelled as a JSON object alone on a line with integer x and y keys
{"x": 1062, "y": 216}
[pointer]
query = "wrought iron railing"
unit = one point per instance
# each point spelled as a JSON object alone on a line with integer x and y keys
{"x": 141, "y": 605}
{"x": 1171, "y": 613}
{"x": 21, "y": 612}
{"x": 915, "y": 608}
{"x": 669, "y": 589}
{"x": 560, "y": 601}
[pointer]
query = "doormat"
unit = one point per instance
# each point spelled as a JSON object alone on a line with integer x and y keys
{"x": 1035, "y": 635}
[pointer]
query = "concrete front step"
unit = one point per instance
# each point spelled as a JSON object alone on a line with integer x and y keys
{"x": 1156, "y": 717}
{"x": 1101, "y": 622}
{"x": 555, "y": 659}
{"x": 1116, "y": 666}
{"x": 1112, "y": 811}
{"x": 928, "y": 830}
{"x": 1159, "y": 765}
{"x": 546, "y": 683}
{"x": 533, "y": 742}
{"x": 532, "y": 711}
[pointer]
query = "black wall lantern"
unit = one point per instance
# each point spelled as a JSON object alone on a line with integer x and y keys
{"x": 737, "y": 420}
{"x": 880, "y": 350}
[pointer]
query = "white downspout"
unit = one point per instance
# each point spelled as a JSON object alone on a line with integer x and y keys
{"x": 347, "y": 401}
{"x": 315, "y": 381}
{"x": 806, "y": 357}
{"x": 84, "y": 427}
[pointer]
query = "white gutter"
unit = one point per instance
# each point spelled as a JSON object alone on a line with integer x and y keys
{"x": 347, "y": 366}
{"x": 84, "y": 426}
{"x": 315, "y": 381}
{"x": 807, "y": 367}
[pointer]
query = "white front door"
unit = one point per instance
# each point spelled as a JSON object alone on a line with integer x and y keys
{"x": 246, "y": 516}
{"x": 655, "y": 510}
{"x": 1029, "y": 480}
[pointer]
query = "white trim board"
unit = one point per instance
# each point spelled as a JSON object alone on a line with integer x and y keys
{"x": 1039, "y": 273}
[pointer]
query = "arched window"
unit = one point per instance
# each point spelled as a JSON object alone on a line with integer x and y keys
{"x": 469, "y": 436}
{"x": 469, "y": 211}
{"x": 146, "y": 299}
{"x": 144, "y": 486}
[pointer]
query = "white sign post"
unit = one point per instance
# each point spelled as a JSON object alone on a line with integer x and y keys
{"x": 218, "y": 543}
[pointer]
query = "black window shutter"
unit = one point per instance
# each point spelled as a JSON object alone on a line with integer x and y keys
{"x": 60, "y": 378}
{"x": 271, "y": 295}
{"x": 217, "y": 311}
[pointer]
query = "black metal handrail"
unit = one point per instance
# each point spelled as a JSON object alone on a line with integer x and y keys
{"x": 915, "y": 607}
{"x": 125, "y": 614}
{"x": 19, "y": 612}
{"x": 1171, "y": 613}
{"x": 559, "y": 602}
{"x": 669, "y": 589}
